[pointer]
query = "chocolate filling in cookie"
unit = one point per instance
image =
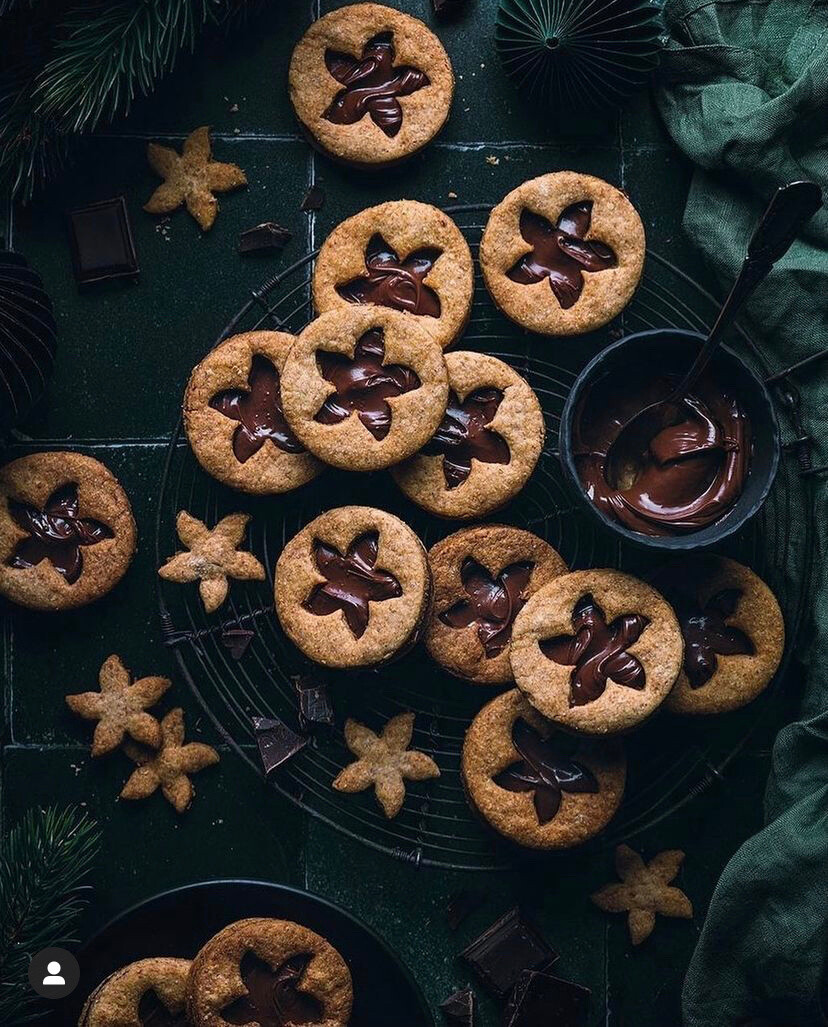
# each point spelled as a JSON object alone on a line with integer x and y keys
{"x": 492, "y": 604}
{"x": 258, "y": 409}
{"x": 363, "y": 384}
{"x": 597, "y": 651}
{"x": 544, "y": 770}
{"x": 707, "y": 634}
{"x": 56, "y": 533}
{"x": 153, "y": 1013}
{"x": 351, "y": 581}
{"x": 395, "y": 283}
{"x": 371, "y": 85}
{"x": 273, "y": 998}
{"x": 464, "y": 435}
{"x": 561, "y": 252}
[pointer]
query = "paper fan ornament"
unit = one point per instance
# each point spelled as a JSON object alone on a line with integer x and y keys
{"x": 28, "y": 337}
{"x": 578, "y": 52}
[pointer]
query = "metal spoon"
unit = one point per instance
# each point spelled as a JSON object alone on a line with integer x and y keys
{"x": 791, "y": 206}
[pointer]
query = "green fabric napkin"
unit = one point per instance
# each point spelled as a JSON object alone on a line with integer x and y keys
{"x": 744, "y": 93}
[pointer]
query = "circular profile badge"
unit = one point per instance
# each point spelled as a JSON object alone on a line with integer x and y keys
{"x": 54, "y": 973}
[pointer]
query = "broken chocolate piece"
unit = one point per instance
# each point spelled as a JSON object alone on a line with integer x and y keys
{"x": 264, "y": 238}
{"x": 101, "y": 241}
{"x": 277, "y": 743}
{"x": 315, "y": 708}
{"x": 458, "y": 1009}
{"x": 314, "y": 199}
{"x": 237, "y": 640}
{"x": 508, "y": 948}
{"x": 448, "y": 8}
{"x": 539, "y": 999}
{"x": 462, "y": 904}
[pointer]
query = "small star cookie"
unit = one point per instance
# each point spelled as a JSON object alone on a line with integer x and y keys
{"x": 213, "y": 557}
{"x": 120, "y": 707}
{"x": 645, "y": 890}
{"x": 170, "y": 766}
{"x": 191, "y": 178}
{"x": 385, "y": 762}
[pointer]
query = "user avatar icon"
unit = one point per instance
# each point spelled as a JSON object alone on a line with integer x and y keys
{"x": 53, "y": 976}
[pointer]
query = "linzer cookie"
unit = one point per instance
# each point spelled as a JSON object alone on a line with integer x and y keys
{"x": 734, "y": 634}
{"x": 271, "y": 973}
{"x": 534, "y": 784}
{"x": 234, "y": 421}
{"x": 563, "y": 253}
{"x": 486, "y": 447}
{"x": 405, "y": 255}
{"x": 149, "y": 992}
{"x": 596, "y": 651}
{"x": 364, "y": 387}
{"x": 483, "y": 577}
{"x": 370, "y": 85}
{"x": 67, "y": 534}
{"x": 353, "y": 587}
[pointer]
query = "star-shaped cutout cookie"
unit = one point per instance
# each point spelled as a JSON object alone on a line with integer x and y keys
{"x": 645, "y": 890}
{"x": 168, "y": 769}
{"x": 191, "y": 178}
{"x": 384, "y": 762}
{"x": 120, "y": 707}
{"x": 213, "y": 557}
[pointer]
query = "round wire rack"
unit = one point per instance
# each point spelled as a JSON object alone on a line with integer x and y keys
{"x": 670, "y": 759}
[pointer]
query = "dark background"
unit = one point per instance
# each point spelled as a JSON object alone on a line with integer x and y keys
{"x": 126, "y": 351}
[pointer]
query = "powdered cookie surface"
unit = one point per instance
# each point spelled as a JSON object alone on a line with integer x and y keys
{"x": 151, "y": 991}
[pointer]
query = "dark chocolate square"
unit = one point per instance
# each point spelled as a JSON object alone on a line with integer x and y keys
{"x": 502, "y": 953}
{"x": 458, "y": 1008}
{"x": 101, "y": 241}
{"x": 539, "y": 999}
{"x": 277, "y": 743}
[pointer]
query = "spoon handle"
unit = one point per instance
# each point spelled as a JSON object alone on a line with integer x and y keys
{"x": 790, "y": 207}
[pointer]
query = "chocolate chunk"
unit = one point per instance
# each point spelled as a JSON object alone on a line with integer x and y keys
{"x": 237, "y": 640}
{"x": 101, "y": 240}
{"x": 314, "y": 199}
{"x": 277, "y": 743}
{"x": 315, "y": 708}
{"x": 458, "y": 1009}
{"x": 539, "y": 999}
{"x": 264, "y": 238}
{"x": 448, "y": 8}
{"x": 508, "y": 948}
{"x": 462, "y": 904}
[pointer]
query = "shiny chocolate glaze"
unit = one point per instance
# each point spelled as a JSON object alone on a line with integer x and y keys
{"x": 464, "y": 435}
{"x": 597, "y": 651}
{"x": 395, "y": 283}
{"x": 371, "y": 85}
{"x": 492, "y": 604}
{"x": 273, "y": 998}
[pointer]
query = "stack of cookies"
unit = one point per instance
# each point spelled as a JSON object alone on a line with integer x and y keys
{"x": 256, "y": 971}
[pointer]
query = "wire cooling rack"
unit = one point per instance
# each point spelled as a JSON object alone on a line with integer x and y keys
{"x": 670, "y": 759}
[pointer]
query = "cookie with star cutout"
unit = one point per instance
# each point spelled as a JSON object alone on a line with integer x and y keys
{"x": 370, "y": 85}
{"x": 596, "y": 651}
{"x": 404, "y": 255}
{"x": 234, "y": 420}
{"x": 67, "y": 534}
{"x": 734, "y": 633}
{"x": 535, "y": 785}
{"x": 364, "y": 387}
{"x": 151, "y": 991}
{"x": 486, "y": 446}
{"x": 483, "y": 577}
{"x": 563, "y": 253}
{"x": 269, "y": 972}
{"x": 353, "y": 588}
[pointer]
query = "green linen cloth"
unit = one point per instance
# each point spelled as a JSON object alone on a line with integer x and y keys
{"x": 743, "y": 91}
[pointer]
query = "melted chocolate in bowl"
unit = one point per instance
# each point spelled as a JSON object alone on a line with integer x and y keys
{"x": 681, "y": 470}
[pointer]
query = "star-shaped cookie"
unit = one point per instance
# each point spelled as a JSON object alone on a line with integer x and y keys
{"x": 645, "y": 890}
{"x": 213, "y": 557}
{"x": 168, "y": 769}
{"x": 191, "y": 178}
{"x": 384, "y": 762}
{"x": 120, "y": 707}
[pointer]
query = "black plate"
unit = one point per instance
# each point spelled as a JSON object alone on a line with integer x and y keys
{"x": 179, "y": 922}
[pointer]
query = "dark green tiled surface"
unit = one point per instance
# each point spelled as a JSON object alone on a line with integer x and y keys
{"x": 125, "y": 353}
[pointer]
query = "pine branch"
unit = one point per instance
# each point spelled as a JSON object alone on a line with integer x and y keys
{"x": 43, "y": 863}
